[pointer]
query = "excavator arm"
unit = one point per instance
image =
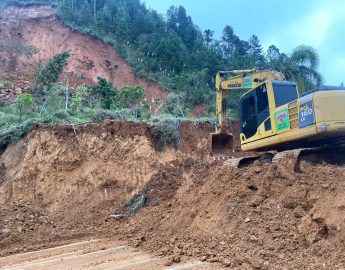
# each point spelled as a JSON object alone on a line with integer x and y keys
{"x": 222, "y": 140}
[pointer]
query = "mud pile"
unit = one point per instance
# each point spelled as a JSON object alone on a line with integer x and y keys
{"x": 63, "y": 183}
{"x": 259, "y": 217}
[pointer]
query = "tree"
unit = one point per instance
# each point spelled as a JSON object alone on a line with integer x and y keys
{"x": 182, "y": 25}
{"x": 228, "y": 41}
{"x": 273, "y": 54}
{"x": 171, "y": 53}
{"x": 255, "y": 52}
{"x": 193, "y": 86}
{"x": 122, "y": 20}
{"x": 84, "y": 13}
{"x": 48, "y": 74}
{"x": 208, "y": 37}
{"x": 105, "y": 91}
{"x": 173, "y": 104}
{"x": 129, "y": 96}
{"x": 23, "y": 103}
{"x": 301, "y": 66}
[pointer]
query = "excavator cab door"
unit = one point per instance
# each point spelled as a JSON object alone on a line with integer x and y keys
{"x": 248, "y": 116}
{"x": 254, "y": 112}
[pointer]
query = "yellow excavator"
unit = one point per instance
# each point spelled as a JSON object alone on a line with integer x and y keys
{"x": 274, "y": 117}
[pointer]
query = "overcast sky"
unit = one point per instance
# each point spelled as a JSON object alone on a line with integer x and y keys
{"x": 284, "y": 23}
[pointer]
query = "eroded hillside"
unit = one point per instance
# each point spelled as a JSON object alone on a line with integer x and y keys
{"x": 33, "y": 33}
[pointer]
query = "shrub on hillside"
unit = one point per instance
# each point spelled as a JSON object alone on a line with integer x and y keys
{"x": 165, "y": 133}
{"x": 105, "y": 91}
{"x": 129, "y": 96}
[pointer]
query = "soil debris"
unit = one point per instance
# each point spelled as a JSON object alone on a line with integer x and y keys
{"x": 60, "y": 184}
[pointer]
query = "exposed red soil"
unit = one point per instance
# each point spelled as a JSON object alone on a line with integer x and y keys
{"x": 62, "y": 183}
{"x": 38, "y": 26}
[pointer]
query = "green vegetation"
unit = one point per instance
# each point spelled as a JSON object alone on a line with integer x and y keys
{"x": 170, "y": 49}
{"x": 48, "y": 74}
{"x": 105, "y": 91}
{"x": 6, "y": 84}
{"x": 165, "y": 133}
{"x": 52, "y": 102}
{"x": 174, "y": 51}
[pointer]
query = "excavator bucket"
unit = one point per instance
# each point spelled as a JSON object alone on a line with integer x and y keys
{"x": 222, "y": 144}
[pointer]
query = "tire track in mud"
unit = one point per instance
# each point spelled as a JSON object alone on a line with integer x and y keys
{"x": 95, "y": 255}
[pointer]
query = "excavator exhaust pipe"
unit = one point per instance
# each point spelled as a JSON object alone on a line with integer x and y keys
{"x": 222, "y": 144}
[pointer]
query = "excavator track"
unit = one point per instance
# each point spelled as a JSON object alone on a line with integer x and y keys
{"x": 241, "y": 162}
{"x": 295, "y": 153}
{"x": 330, "y": 154}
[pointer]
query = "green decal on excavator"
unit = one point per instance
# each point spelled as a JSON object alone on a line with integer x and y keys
{"x": 247, "y": 81}
{"x": 282, "y": 119}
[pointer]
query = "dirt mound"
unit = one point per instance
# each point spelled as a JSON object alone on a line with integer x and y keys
{"x": 63, "y": 183}
{"x": 259, "y": 217}
{"x": 80, "y": 173}
{"x": 37, "y": 26}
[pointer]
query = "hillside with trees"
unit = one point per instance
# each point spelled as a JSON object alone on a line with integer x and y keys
{"x": 175, "y": 51}
{"x": 169, "y": 49}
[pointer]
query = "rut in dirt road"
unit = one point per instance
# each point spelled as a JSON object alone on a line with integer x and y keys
{"x": 95, "y": 255}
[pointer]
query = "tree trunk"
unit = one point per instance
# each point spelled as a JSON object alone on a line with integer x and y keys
{"x": 94, "y": 10}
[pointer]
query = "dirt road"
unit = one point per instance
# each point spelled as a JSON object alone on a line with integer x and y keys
{"x": 94, "y": 254}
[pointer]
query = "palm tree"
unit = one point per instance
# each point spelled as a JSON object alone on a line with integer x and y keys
{"x": 301, "y": 66}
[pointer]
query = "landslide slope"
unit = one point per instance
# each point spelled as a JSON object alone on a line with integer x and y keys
{"x": 38, "y": 26}
{"x": 61, "y": 183}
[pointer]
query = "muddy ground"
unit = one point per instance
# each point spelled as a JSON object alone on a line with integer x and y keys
{"x": 61, "y": 184}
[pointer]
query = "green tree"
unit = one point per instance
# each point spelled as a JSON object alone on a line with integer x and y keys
{"x": 173, "y": 104}
{"x": 229, "y": 41}
{"x": 255, "y": 52}
{"x": 208, "y": 37}
{"x": 105, "y": 91}
{"x": 79, "y": 95}
{"x": 48, "y": 74}
{"x": 194, "y": 87}
{"x": 171, "y": 53}
{"x": 129, "y": 96}
{"x": 84, "y": 13}
{"x": 182, "y": 24}
{"x": 23, "y": 102}
{"x": 122, "y": 21}
{"x": 301, "y": 66}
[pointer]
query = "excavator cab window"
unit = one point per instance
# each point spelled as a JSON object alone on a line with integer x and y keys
{"x": 262, "y": 103}
{"x": 254, "y": 110}
{"x": 284, "y": 92}
{"x": 248, "y": 116}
